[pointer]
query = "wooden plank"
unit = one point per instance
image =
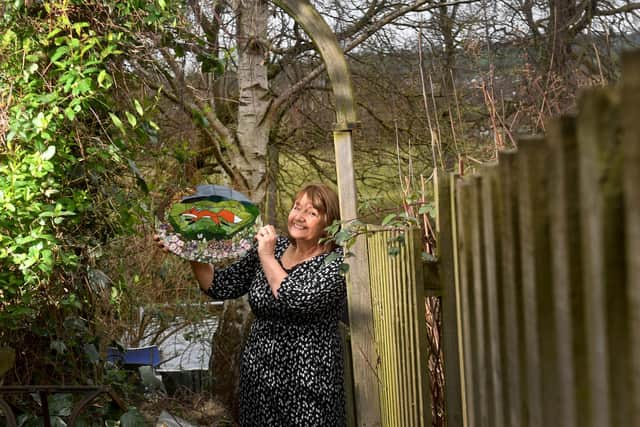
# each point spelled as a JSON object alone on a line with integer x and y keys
{"x": 350, "y": 410}
{"x": 446, "y": 268}
{"x": 363, "y": 350}
{"x": 409, "y": 345}
{"x": 402, "y": 372}
{"x": 514, "y": 372}
{"x": 536, "y": 288}
{"x": 466, "y": 279}
{"x": 387, "y": 338}
{"x": 493, "y": 288}
{"x": 481, "y": 363}
{"x": 377, "y": 303}
{"x": 571, "y": 409}
{"x": 630, "y": 105}
{"x": 421, "y": 355}
{"x": 604, "y": 268}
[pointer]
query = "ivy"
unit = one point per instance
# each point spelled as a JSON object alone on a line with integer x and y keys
{"x": 344, "y": 233}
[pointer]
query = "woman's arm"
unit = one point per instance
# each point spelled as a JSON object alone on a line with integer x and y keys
{"x": 203, "y": 274}
{"x": 315, "y": 293}
{"x": 273, "y": 271}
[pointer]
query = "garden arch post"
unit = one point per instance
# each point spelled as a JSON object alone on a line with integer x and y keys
{"x": 364, "y": 354}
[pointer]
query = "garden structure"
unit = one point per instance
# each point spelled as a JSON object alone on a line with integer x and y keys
{"x": 538, "y": 268}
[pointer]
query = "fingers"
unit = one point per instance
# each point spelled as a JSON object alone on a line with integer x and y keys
{"x": 160, "y": 244}
{"x": 266, "y": 231}
{"x": 266, "y": 237}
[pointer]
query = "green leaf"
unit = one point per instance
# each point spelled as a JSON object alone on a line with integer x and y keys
{"x": 139, "y": 109}
{"x": 59, "y": 53}
{"x": 344, "y": 268}
{"x": 116, "y": 121}
{"x": 387, "y": 219}
{"x": 331, "y": 257}
{"x": 131, "y": 119}
{"x": 49, "y": 153}
{"x": 104, "y": 79}
{"x": 69, "y": 113}
{"x": 53, "y": 33}
{"x": 58, "y": 346}
{"x": 341, "y": 237}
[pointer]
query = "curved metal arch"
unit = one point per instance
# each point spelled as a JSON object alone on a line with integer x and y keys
{"x": 325, "y": 40}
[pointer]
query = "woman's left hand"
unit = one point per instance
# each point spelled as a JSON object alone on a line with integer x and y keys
{"x": 266, "y": 238}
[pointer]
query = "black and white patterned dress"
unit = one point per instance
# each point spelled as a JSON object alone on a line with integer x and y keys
{"x": 292, "y": 363}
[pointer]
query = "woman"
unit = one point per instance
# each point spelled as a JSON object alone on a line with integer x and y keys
{"x": 292, "y": 364}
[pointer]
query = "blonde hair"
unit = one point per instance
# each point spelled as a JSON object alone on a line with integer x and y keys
{"x": 325, "y": 200}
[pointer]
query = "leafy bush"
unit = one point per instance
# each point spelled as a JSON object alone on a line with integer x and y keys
{"x": 67, "y": 181}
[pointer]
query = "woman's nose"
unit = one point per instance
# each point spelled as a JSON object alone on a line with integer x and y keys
{"x": 301, "y": 216}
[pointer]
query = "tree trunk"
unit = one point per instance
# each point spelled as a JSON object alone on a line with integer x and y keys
{"x": 560, "y": 38}
{"x": 252, "y": 137}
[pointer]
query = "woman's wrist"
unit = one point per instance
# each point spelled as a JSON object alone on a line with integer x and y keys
{"x": 203, "y": 274}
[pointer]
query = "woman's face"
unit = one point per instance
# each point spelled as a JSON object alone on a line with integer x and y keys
{"x": 305, "y": 223}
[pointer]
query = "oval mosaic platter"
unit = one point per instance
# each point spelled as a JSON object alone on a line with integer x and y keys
{"x": 216, "y": 224}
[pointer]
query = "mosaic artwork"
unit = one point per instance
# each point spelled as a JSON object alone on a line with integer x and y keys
{"x": 215, "y": 224}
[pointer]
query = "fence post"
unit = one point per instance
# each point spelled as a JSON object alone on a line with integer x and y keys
{"x": 630, "y": 105}
{"x": 604, "y": 267}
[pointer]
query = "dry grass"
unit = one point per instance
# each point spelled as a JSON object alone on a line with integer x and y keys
{"x": 196, "y": 408}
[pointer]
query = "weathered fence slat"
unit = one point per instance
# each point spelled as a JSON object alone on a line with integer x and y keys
{"x": 466, "y": 304}
{"x": 454, "y": 403}
{"x": 481, "y": 363}
{"x": 538, "y": 321}
{"x": 603, "y": 234}
{"x": 511, "y": 311}
{"x": 493, "y": 288}
{"x": 629, "y": 107}
{"x": 572, "y": 389}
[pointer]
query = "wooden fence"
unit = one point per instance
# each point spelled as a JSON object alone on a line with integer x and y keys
{"x": 397, "y": 300}
{"x": 539, "y": 272}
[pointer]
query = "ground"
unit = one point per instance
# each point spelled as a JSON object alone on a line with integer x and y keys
{"x": 197, "y": 408}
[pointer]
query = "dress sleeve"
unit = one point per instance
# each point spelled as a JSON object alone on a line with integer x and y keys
{"x": 318, "y": 292}
{"x": 234, "y": 280}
